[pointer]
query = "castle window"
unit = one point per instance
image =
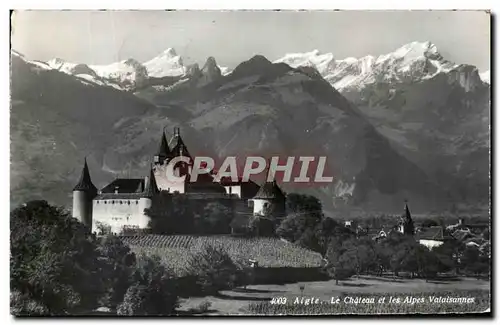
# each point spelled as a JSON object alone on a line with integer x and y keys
{"x": 97, "y": 202}
{"x": 136, "y": 202}
{"x": 121, "y": 202}
{"x": 105, "y": 202}
{"x": 113, "y": 202}
{"x": 128, "y": 202}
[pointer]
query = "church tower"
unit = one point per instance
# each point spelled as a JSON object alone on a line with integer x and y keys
{"x": 406, "y": 226}
{"x": 83, "y": 194}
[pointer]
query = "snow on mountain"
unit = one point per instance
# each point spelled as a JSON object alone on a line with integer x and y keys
{"x": 124, "y": 74}
{"x": 416, "y": 60}
{"x": 168, "y": 63}
{"x": 485, "y": 76}
{"x": 224, "y": 70}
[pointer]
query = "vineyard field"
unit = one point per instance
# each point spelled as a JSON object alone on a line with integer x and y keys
{"x": 176, "y": 250}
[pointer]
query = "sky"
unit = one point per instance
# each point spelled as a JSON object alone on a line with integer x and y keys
{"x": 103, "y": 37}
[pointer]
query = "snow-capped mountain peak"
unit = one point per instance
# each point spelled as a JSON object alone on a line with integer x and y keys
{"x": 485, "y": 76}
{"x": 412, "y": 61}
{"x": 167, "y": 63}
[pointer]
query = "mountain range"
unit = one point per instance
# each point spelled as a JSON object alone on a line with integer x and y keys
{"x": 406, "y": 125}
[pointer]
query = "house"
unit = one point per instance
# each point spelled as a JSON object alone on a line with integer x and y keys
{"x": 432, "y": 237}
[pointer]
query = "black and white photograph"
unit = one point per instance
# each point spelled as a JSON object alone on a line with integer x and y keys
{"x": 202, "y": 163}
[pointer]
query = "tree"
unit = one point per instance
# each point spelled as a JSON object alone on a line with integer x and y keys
{"x": 325, "y": 231}
{"x": 214, "y": 270}
{"x": 298, "y": 203}
{"x": 415, "y": 258}
{"x": 171, "y": 214}
{"x": 448, "y": 255}
{"x": 214, "y": 219}
{"x": 262, "y": 226}
{"x": 474, "y": 262}
{"x": 154, "y": 291}
{"x": 119, "y": 265}
{"x": 23, "y": 305}
{"x": 339, "y": 267}
{"x": 54, "y": 260}
{"x": 305, "y": 213}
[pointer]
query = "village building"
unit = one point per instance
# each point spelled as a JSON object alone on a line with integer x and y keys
{"x": 432, "y": 237}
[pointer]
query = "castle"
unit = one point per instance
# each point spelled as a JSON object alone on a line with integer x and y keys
{"x": 121, "y": 203}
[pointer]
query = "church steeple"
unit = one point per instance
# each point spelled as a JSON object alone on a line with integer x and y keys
{"x": 85, "y": 183}
{"x": 406, "y": 224}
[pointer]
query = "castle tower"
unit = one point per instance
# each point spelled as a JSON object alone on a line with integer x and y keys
{"x": 178, "y": 149}
{"x": 83, "y": 194}
{"x": 406, "y": 223}
{"x": 146, "y": 200}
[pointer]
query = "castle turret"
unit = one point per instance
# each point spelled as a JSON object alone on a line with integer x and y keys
{"x": 177, "y": 145}
{"x": 269, "y": 201}
{"x": 146, "y": 200}
{"x": 164, "y": 152}
{"x": 83, "y": 194}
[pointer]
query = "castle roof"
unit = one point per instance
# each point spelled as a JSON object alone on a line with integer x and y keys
{"x": 270, "y": 190}
{"x": 204, "y": 184}
{"x": 85, "y": 183}
{"x": 178, "y": 146}
{"x": 118, "y": 196}
{"x": 227, "y": 181}
{"x": 151, "y": 188}
{"x": 124, "y": 185}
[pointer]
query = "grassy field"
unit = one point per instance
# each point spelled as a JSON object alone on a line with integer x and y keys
{"x": 256, "y": 299}
{"x": 177, "y": 250}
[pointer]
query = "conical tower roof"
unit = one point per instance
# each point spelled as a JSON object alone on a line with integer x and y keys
{"x": 151, "y": 189}
{"x": 164, "y": 151}
{"x": 85, "y": 183}
{"x": 177, "y": 145}
{"x": 407, "y": 215}
{"x": 270, "y": 190}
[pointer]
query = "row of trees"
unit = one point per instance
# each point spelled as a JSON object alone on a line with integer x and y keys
{"x": 349, "y": 253}
{"x": 59, "y": 268}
